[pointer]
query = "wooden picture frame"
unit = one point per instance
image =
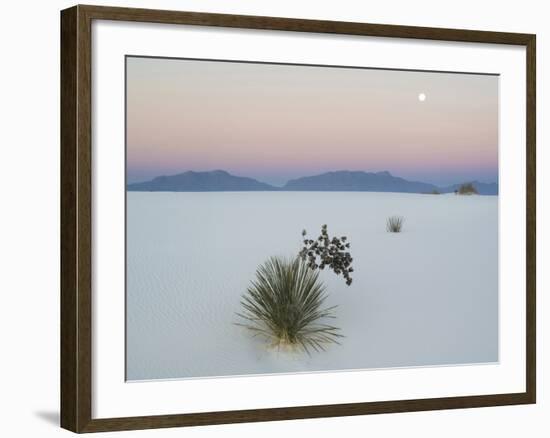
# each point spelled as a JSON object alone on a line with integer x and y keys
{"x": 76, "y": 218}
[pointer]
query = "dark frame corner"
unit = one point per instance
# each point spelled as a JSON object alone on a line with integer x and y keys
{"x": 76, "y": 239}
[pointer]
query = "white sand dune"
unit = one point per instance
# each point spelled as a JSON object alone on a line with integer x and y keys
{"x": 426, "y": 296}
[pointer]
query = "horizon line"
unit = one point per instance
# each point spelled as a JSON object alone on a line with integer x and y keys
{"x": 313, "y": 175}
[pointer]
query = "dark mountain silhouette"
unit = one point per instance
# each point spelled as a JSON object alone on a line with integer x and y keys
{"x": 213, "y": 181}
{"x": 482, "y": 188}
{"x": 340, "y": 181}
{"x": 346, "y": 181}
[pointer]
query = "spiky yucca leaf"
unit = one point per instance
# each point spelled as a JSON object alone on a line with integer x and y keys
{"x": 284, "y": 304}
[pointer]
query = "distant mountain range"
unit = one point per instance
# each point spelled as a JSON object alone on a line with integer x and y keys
{"x": 340, "y": 181}
{"x": 346, "y": 181}
{"x": 214, "y": 181}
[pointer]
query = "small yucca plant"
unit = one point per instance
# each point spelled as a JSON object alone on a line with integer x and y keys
{"x": 284, "y": 304}
{"x": 394, "y": 224}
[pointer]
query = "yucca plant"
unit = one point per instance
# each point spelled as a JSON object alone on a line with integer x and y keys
{"x": 285, "y": 305}
{"x": 394, "y": 224}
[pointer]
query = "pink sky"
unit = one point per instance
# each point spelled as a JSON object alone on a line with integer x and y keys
{"x": 277, "y": 122}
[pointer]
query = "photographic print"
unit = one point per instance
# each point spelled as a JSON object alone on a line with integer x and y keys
{"x": 287, "y": 218}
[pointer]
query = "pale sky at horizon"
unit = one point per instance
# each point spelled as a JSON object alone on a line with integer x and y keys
{"x": 279, "y": 122}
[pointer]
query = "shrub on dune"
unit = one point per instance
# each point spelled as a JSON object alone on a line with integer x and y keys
{"x": 467, "y": 189}
{"x": 394, "y": 224}
{"x": 285, "y": 305}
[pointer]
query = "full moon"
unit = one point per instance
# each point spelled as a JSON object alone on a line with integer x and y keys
{"x": 421, "y": 97}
